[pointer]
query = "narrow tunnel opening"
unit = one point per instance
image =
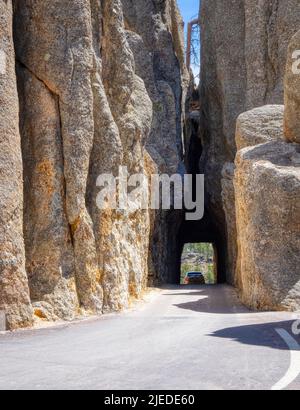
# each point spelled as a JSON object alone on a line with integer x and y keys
{"x": 204, "y": 231}
{"x": 198, "y": 264}
{"x": 183, "y": 233}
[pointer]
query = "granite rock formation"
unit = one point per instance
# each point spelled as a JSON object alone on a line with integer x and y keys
{"x": 243, "y": 54}
{"x": 252, "y": 173}
{"x": 14, "y": 291}
{"x": 89, "y": 87}
{"x": 100, "y": 85}
{"x": 267, "y": 195}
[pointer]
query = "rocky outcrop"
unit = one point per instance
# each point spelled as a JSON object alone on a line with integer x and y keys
{"x": 267, "y": 195}
{"x": 100, "y": 85}
{"x": 243, "y": 47}
{"x": 14, "y": 291}
{"x": 258, "y": 126}
{"x": 54, "y": 46}
{"x": 267, "y": 187}
{"x": 88, "y": 87}
{"x": 292, "y": 91}
{"x": 254, "y": 201}
{"x": 154, "y": 32}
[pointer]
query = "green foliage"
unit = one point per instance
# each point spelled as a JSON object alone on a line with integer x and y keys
{"x": 205, "y": 251}
{"x": 210, "y": 275}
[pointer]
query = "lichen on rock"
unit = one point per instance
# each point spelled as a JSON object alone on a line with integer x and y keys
{"x": 14, "y": 290}
{"x": 267, "y": 187}
{"x": 86, "y": 107}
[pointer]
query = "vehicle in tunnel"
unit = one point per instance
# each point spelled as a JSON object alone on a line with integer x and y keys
{"x": 198, "y": 264}
{"x": 205, "y": 231}
{"x": 194, "y": 278}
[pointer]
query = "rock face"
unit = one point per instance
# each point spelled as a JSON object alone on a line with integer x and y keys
{"x": 243, "y": 51}
{"x": 266, "y": 195}
{"x": 292, "y": 91}
{"x": 14, "y": 291}
{"x": 258, "y": 126}
{"x": 56, "y": 66}
{"x": 154, "y": 31}
{"x": 89, "y": 88}
{"x": 254, "y": 201}
{"x": 267, "y": 187}
{"x": 228, "y": 201}
{"x": 100, "y": 85}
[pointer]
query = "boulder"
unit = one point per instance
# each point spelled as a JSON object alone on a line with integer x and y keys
{"x": 267, "y": 193}
{"x": 260, "y": 125}
{"x": 254, "y": 127}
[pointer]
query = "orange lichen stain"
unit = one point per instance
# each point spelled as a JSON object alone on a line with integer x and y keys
{"x": 46, "y": 170}
{"x": 132, "y": 292}
{"x": 38, "y": 313}
{"x": 75, "y": 225}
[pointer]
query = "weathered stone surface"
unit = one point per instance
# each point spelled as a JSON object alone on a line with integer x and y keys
{"x": 14, "y": 291}
{"x": 127, "y": 233}
{"x": 243, "y": 47}
{"x": 96, "y": 93}
{"x": 228, "y": 199}
{"x": 292, "y": 91}
{"x": 54, "y": 42}
{"x": 154, "y": 31}
{"x": 49, "y": 252}
{"x": 254, "y": 127}
{"x": 260, "y": 125}
{"x": 102, "y": 85}
{"x": 267, "y": 187}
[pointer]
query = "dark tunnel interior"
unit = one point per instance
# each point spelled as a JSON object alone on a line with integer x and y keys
{"x": 202, "y": 231}
{"x": 182, "y": 232}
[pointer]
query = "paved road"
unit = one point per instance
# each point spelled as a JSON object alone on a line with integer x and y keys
{"x": 185, "y": 338}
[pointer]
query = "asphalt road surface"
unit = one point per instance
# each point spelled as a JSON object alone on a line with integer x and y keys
{"x": 184, "y": 338}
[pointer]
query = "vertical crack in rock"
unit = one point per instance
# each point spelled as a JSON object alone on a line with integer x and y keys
{"x": 49, "y": 251}
{"x": 292, "y": 93}
{"x": 155, "y": 36}
{"x": 14, "y": 291}
{"x": 54, "y": 40}
{"x": 102, "y": 84}
{"x": 95, "y": 94}
{"x": 80, "y": 81}
{"x": 125, "y": 271}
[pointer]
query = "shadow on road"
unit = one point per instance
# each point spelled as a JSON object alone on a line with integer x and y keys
{"x": 184, "y": 294}
{"x": 212, "y": 300}
{"x": 224, "y": 300}
{"x": 259, "y": 334}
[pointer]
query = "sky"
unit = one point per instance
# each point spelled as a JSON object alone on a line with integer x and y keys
{"x": 190, "y": 10}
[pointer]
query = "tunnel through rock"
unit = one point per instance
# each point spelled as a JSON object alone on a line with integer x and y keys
{"x": 202, "y": 231}
{"x": 206, "y": 230}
